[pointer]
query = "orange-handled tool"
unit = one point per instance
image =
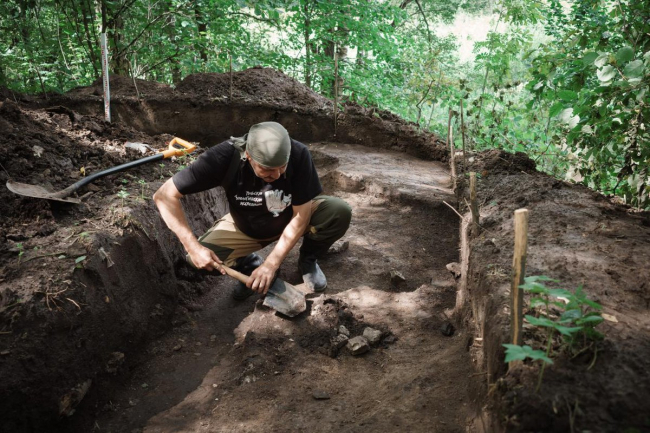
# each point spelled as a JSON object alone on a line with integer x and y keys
{"x": 177, "y": 147}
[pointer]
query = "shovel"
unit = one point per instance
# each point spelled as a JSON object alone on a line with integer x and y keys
{"x": 282, "y": 297}
{"x": 177, "y": 147}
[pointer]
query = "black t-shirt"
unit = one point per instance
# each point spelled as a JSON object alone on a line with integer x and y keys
{"x": 260, "y": 209}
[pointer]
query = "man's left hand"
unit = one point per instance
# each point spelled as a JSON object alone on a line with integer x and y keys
{"x": 261, "y": 278}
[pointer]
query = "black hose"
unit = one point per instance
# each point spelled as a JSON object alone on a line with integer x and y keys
{"x": 86, "y": 180}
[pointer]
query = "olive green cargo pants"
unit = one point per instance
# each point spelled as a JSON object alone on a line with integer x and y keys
{"x": 330, "y": 219}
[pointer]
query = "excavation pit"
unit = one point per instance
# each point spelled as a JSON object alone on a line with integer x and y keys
{"x": 103, "y": 325}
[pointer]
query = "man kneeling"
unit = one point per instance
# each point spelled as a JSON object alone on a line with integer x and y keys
{"x": 274, "y": 194}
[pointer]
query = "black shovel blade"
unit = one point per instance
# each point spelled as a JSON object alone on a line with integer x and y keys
{"x": 37, "y": 191}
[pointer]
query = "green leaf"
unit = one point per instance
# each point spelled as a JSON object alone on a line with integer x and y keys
{"x": 564, "y": 330}
{"x": 589, "y": 58}
{"x": 80, "y": 259}
{"x": 519, "y": 353}
{"x": 601, "y": 60}
{"x": 624, "y": 55}
{"x": 560, "y": 293}
{"x": 556, "y": 109}
{"x": 590, "y": 320}
{"x": 567, "y": 95}
{"x": 571, "y": 315}
{"x": 540, "y": 321}
{"x": 606, "y": 73}
{"x": 634, "y": 69}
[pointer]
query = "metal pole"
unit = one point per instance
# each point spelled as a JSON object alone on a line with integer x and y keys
{"x": 107, "y": 90}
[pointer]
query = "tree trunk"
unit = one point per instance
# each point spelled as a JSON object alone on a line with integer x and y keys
{"x": 114, "y": 24}
{"x": 202, "y": 27}
{"x": 308, "y": 43}
{"x": 88, "y": 18}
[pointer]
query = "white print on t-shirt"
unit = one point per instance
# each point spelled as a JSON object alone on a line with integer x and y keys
{"x": 251, "y": 199}
{"x": 276, "y": 201}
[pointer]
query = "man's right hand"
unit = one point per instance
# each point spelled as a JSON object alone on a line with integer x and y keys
{"x": 168, "y": 200}
{"x": 205, "y": 258}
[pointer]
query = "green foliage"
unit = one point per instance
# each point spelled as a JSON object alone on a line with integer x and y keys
{"x": 596, "y": 77}
{"x": 565, "y": 82}
{"x": 78, "y": 262}
{"x": 143, "y": 185}
{"x": 123, "y": 194}
{"x": 570, "y": 314}
{"x": 520, "y": 353}
{"x": 21, "y": 250}
{"x": 561, "y": 312}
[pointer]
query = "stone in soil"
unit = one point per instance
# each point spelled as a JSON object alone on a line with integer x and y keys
{"x": 358, "y": 345}
{"x": 343, "y": 330}
{"x": 372, "y": 335}
{"x": 447, "y": 329}
{"x": 339, "y": 247}
{"x": 339, "y": 341}
{"x": 319, "y": 394}
{"x": 397, "y": 280}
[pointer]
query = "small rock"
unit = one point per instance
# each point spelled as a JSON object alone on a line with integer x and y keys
{"x": 454, "y": 268}
{"x": 133, "y": 402}
{"x": 5, "y": 352}
{"x": 372, "y": 335}
{"x": 343, "y": 330}
{"x": 69, "y": 402}
{"x": 339, "y": 341}
{"x": 339, "y": 247}
{"x": 113, "y": 364}
{"x": 358, "y": 345}
{"x": 177, "y": 348}
{"x": 447, "y": 329}
{"x": 319, "y": 394}
{"x": 213, "y": 338}
{"x": 397, "y": 280}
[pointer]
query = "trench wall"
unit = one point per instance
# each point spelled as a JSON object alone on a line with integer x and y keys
{"x": 56, "y": 354}
{"x": 210, "y": 122}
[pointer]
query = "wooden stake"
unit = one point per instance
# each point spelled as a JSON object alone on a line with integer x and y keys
{"x": 473, "y": 202}
{"x": 519, "y": 272}
{"x": 230, "y": 61}
{"x": 452, "y": 153}
{"x": 462, "y": 133}
{"x": 336, "y": 88}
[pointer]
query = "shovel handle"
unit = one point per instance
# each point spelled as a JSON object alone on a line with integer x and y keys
{"x": 235, "y": 274}
{"x": 178, "y": 147}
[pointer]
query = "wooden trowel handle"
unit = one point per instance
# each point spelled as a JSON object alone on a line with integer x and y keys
{"x": 236, "y": 274}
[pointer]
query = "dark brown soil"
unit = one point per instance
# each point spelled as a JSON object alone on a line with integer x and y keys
{"x": 580, "y": 238}
{"x": 103, "y": 326}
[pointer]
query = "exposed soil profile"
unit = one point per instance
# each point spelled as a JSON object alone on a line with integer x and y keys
{"x": 103, "y": 327}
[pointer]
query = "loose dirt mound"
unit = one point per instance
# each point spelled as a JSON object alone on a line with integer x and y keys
{"x": 121, "y": 87}
{"x": 256, "y": 85}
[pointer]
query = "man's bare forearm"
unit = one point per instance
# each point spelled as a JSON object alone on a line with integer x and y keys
{"x": 167, "y": 199}
{"x": 291, "y": 234}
